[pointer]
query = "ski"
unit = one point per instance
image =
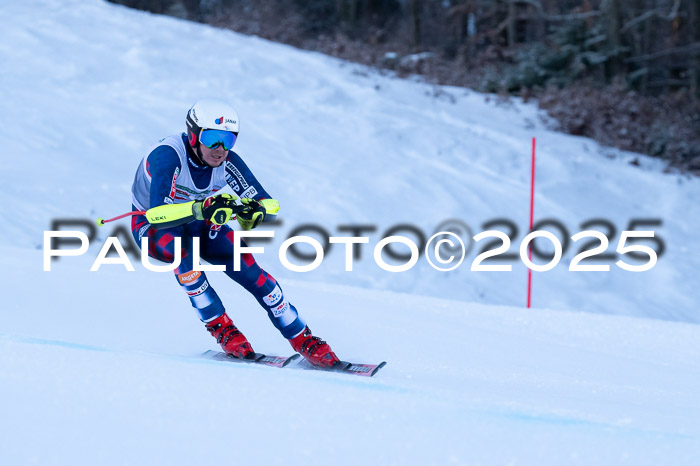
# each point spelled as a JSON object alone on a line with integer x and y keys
{"x": 254, "y": 358}
{"x": 365, "y": 370}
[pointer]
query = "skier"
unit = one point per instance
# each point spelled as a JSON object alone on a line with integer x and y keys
{"x": 178, "y": 177}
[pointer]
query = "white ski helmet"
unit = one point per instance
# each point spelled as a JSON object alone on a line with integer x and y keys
{"x": 210, "y": 114}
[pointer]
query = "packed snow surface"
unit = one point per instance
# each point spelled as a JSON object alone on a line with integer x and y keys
{"x": 104, "y": 367}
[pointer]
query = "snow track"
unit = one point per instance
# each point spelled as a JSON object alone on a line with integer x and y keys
{"x": 486, "y": 386}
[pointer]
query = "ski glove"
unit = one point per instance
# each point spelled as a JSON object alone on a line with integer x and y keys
{"x": 217, "y": 209}
{"x": 253, "y": 214}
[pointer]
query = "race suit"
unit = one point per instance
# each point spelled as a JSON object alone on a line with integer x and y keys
{"x": 170, "y": 175}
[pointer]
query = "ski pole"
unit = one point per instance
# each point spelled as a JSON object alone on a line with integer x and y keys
{"x": 238, "y": 209}
{"x": 101, "y": 221}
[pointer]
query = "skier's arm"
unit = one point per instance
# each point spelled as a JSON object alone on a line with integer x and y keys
{"x": 163, "y": 167}
{"x": 217, "y": 209}
{"x": 262, "y": 208}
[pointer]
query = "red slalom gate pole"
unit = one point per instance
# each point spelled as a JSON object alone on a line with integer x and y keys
{"x": 532, "y": 215}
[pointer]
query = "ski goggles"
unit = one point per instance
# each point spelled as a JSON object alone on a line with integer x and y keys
{"x": 214, "y": 137}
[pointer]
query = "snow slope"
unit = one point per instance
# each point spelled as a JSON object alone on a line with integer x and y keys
{"x": 102, "y": 368}
{"x": 465, "y": 384}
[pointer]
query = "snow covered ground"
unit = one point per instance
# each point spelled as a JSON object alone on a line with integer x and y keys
{"x": 465, "y": 384}
{"x": 103, "y": 367}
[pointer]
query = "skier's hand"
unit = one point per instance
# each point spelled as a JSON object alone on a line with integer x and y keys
{"x": 217, "y": 209}
{"x": 253, "y": 214}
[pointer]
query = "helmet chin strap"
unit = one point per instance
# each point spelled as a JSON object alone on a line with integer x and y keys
{"x": 197, "y": 155}
{"x": 200, "y": 156}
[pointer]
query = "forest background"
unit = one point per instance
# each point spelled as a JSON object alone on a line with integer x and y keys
{"x": 625, "y": 73}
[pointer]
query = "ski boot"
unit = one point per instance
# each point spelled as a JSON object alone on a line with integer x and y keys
{"x": 314, "y": 350}
{"x": 229, "y": 337}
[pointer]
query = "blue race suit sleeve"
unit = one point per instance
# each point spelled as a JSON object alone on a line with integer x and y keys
{"x": 163, "y": 164}
{"x": 243, "y": 182}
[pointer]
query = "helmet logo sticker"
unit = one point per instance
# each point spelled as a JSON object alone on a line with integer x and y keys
{"x": 219, "y": 120}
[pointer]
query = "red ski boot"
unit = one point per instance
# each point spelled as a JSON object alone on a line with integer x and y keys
{"x": 315, "y": 350}
{"x": 229, "y": 337}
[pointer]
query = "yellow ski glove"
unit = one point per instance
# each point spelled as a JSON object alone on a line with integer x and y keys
{"x": 256, "y": 212}
{"x": 217, "y": 209}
